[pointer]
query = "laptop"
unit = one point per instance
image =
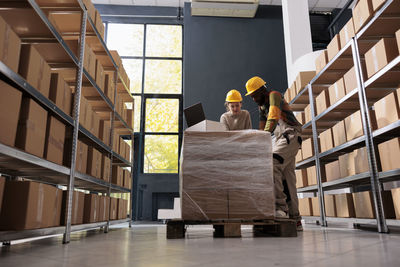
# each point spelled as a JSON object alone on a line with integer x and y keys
{"x": 194, "y": 114}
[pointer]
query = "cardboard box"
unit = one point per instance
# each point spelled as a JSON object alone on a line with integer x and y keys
{"x": 31, "y": 131}
{"x": 347, "y": 165}
{"x": 299, "y": 156}
{"x": 377, "y": 4}
{"x": 81, "y": 157}
{"x": 24, "y": 205}
{"x": 365, "y": 209}
{"x": 339, "y": 133}
{"x": 52, "y": 207}
{"x": 380, "y": 55}
{"x": 303, "y": 79}
{"x": 333, "y": 47}
{"x": 336, "y": 91}
{"x": 10, "y": 46}
{"x": 307, "y": 114}
{"x": 396, "y": 201}
{"x": 115, "y": 146}
{"x": 127, "y": 178}
{"x": 330, "y": 205}
{"x": 315, "y": 206}
{"x": 398, "y": 96}
{"x": 10, "y": 104}
{"x": 91, "y": 9}
{"x": 82, "y": 112}
{"x": 78, "y": 203}
{"x": 95, "y": 124}
{"x": 113, "y": 208}
{"x": 213, "y": 203}
{"x": 350, "y": 80}
{"x": 116, "y": 58}
{"x": 94, "y": 163}
{"x": 122, "y": 147}
{"x": 389, "y": 153}
{"x": 354, "y": 127}
{"x": 91, "y": 208}
{"x": 240, "y": 208}
{"x": 34, "y": 69}
{"x": 105, "y": 168}
{"x": 100, "y": 76}
{"x": 360, "y": 160}
{"x": 122, "y": 208}
{"x": 387, "y": 110}
{"x": 326, "y": 140}
{"x": 398, "y": 39}
{"x": 89, "y": 61}
{"x": 60, "y": 93}
{"x": 300, "y": 117}
{"x": 104, "y": 213}
{"x": 99, "y": 24}
{"x": 344, "y": 205}
{"x": 2, "y": 185}
{"x": 305, "y": 206}
{"x": 321, "y": 61}
{"x": 307, "y": 148}
{"x": 311, "y": 176}
{"x": 346, "y": 33}
{"x": 362, "y": 13}
{"x": 117, "y": 175}
{"x": 109, "y": 86}
{"x": 322, "y": 102}
{"x": 104, "y": 131}
{"x": 55, "y": 139}
{"x": 332, "y": 171}
{"x": 287, "y": 96}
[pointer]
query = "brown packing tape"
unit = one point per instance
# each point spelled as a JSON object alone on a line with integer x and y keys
{"x": 40, "y": 204}
{"x": 6, "y": 43}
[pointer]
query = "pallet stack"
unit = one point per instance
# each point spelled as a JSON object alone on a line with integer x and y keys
{"x": 343, "y": 154}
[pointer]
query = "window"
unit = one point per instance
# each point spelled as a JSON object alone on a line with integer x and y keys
{"x": 152, "y": 57}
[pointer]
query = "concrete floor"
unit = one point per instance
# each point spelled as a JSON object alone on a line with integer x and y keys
{"x": 146, "y": 245}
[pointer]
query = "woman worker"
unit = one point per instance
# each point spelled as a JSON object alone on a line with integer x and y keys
{"x": 235, "y": 118}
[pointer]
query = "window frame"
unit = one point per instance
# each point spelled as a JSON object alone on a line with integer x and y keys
{"x": 144, "y": 96}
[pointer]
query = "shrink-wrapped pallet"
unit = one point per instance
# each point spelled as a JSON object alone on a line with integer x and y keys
{"x": 227, "y": 175}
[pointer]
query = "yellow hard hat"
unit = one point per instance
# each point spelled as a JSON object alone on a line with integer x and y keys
{"x": 233, "y": 96}
{"x": 254, "y": 84}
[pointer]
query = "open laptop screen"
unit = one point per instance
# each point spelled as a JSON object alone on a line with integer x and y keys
{"x": 194, "y": 114}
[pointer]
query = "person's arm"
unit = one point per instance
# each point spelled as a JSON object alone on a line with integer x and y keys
{"x": 274, "y": 112}
{"x": 224, "y": 122}
{"x": 262, "y": 121}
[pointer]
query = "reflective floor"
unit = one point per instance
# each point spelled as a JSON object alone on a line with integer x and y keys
{"x": 146, "y": 245}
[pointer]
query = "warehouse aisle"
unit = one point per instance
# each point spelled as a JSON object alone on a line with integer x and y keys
{"x": 146, "y": 245}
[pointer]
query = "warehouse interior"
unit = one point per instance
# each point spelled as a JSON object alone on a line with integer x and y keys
{"x": 101, "y": 163}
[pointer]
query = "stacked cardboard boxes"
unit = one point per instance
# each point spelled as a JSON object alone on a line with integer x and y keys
{"x": 212, "y": 171}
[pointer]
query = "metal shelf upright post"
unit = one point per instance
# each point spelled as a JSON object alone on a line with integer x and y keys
{"x": 317, "y": 159}
{"x": 77, "y": 101}
{"x": 369, "y": 142}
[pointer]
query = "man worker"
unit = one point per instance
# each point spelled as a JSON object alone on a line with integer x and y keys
{"x": 277, "y": 118}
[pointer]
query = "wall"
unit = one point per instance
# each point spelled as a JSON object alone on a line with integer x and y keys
{"x": 223, "y": 53}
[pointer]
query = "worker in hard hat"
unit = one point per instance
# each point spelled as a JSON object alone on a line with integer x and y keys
{"x": 235, "y": 118}
{"x": 277, "y": 118}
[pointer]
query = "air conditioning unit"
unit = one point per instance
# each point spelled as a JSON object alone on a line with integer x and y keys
{"x": 225, "y": 8}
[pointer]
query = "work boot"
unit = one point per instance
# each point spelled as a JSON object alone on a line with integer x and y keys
{"x": 299, "y": 226}
{"x": 280, "y": 214}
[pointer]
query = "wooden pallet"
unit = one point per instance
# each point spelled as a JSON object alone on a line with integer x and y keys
{"x": 176, "y": 229}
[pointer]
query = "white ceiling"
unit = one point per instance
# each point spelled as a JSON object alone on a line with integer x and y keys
{"x": 315, "y": 5}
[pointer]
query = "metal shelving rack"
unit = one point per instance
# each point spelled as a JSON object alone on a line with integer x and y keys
{"x": 17, "y": 163}
{"x": 368, "y": 91}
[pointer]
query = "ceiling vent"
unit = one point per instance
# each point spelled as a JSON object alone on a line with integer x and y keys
{"x": 225, "y": 8}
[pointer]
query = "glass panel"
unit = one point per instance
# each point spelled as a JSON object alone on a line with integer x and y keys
{"x": 161, "y": 154}
{"x": 163, "y": 76}
{"x": 134, "y": 69}
{"x": 163, "y": 41}
{"x": 162, "y": 115}
{"x": 127, "y": 39}
{"x": 138, "y": 104}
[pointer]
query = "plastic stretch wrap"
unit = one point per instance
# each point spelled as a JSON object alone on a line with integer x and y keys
{"x": 227, "y": 175}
